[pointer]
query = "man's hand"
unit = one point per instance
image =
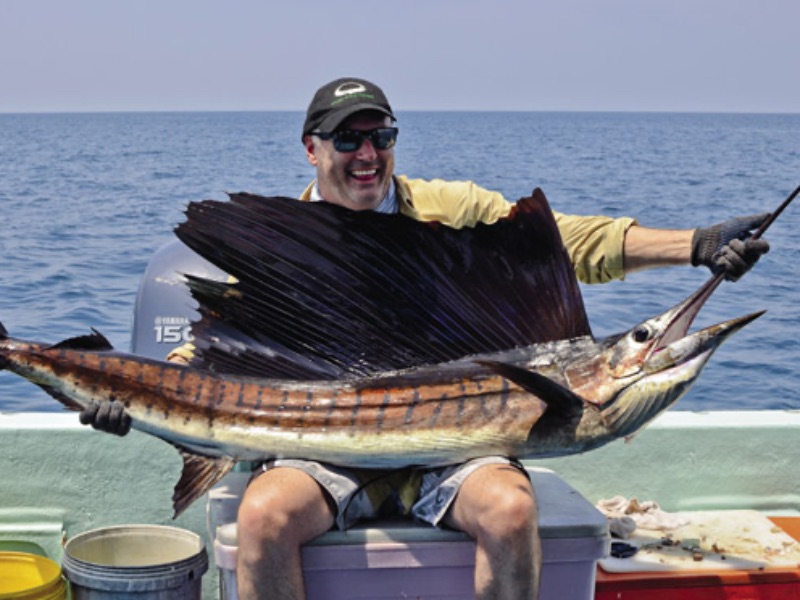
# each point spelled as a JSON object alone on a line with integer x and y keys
{"x": 108, "y": 416}
{"x": 728, "y": 248}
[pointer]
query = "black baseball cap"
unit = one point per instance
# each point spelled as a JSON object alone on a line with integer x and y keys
{"x": 337, "y": 100}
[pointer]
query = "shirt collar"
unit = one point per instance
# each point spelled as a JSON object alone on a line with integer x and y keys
{"x": 388, "y": 204}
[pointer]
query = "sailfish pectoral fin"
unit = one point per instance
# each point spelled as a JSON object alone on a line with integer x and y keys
{"x": 560, "y": 401}
{"x": 199, "y": 474}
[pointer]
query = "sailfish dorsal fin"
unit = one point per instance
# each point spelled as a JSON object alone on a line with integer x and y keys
{"x": 321, "y": 291}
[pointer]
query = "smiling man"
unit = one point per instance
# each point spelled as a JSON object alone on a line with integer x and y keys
{"x": 349, "y": 138}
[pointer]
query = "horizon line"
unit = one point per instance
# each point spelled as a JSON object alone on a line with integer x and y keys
{"x": 411, "y": 110}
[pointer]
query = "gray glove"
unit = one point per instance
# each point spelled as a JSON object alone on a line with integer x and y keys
{"x": 728, "y": 248}
{"x": 108, "y": 416}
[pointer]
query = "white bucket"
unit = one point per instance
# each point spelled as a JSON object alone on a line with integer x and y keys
{"x": 145, "y": 562}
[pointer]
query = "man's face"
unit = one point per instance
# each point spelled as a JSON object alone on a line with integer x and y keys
{"x": 357, "y": 180}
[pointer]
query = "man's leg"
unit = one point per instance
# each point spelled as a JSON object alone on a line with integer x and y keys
{"x": 496, "y": 506}
{"x": 281, "y": 510}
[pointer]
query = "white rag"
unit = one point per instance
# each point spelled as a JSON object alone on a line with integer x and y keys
{"x": 625, "y": 516}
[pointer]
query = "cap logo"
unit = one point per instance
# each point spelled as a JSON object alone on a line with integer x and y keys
{"x": 351, "y": 87}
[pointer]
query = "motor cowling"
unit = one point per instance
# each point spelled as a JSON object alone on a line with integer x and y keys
{"x": 164, "y": 308}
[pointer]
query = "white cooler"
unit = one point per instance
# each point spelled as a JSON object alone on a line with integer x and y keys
{"x": 403, "y": 559}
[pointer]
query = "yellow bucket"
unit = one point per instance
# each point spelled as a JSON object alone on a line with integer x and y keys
{"x": 30, "y": 577}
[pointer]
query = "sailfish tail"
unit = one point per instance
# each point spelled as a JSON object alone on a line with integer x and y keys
{"x": 3, "y": 336}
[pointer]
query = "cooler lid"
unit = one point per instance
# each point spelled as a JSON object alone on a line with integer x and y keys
{"x": 563, "y": 511}
{"x": 563, "y": 514}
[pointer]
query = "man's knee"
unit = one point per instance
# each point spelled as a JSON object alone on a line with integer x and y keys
{"x": 284, "y": 510}
{"x": 266, "y": 513}
{"x": 513, "y": 513}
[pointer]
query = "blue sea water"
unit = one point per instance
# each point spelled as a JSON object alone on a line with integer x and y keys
{"x": 85, "y": 200}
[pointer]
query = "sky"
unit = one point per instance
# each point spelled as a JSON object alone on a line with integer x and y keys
{"x": 563, "y": 55}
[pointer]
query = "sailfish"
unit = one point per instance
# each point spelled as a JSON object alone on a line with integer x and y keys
{"x": 377, "y": 341}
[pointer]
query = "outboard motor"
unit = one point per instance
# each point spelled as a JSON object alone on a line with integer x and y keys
{"x": 164, "y": 307}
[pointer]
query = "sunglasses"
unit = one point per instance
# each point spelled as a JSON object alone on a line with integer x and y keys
{"x": 350, "y": 140}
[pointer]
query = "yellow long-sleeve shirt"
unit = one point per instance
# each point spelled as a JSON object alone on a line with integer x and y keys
{"x": 595, "y": 244}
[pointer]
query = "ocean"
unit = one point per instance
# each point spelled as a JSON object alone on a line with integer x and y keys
{"x": 86, "y": 199}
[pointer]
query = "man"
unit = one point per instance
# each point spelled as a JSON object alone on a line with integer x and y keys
{"x": 349, "y": 138}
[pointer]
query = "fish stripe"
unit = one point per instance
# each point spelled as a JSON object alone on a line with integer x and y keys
{"x": 411, "y": 407}
{"x": 356, "y": 407}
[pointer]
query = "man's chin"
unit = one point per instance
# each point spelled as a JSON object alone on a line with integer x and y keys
{"x": 366, "y": 199}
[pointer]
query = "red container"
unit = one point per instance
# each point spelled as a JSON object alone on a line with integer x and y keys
{"x": 773, "y": 584}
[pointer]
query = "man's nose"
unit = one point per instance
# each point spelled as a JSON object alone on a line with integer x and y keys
{"x": 367, "y": 150}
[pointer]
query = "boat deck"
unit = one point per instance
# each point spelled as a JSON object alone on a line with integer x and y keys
{"x": 60, "y": 478}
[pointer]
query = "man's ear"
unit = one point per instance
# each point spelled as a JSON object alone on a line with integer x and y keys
{"x": 311, "y": 152}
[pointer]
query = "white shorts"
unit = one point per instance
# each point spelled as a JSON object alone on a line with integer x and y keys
{"x": 348, "y": 492}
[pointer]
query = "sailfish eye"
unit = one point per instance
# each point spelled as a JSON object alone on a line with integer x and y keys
{"x": 641, "y": 334}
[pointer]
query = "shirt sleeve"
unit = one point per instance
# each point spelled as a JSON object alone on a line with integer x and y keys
{"x": 595, "y": 244}
{"x": 183, "y": 353}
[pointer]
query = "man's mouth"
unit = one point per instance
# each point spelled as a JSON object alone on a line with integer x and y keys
{"x": 364, "y": 174}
